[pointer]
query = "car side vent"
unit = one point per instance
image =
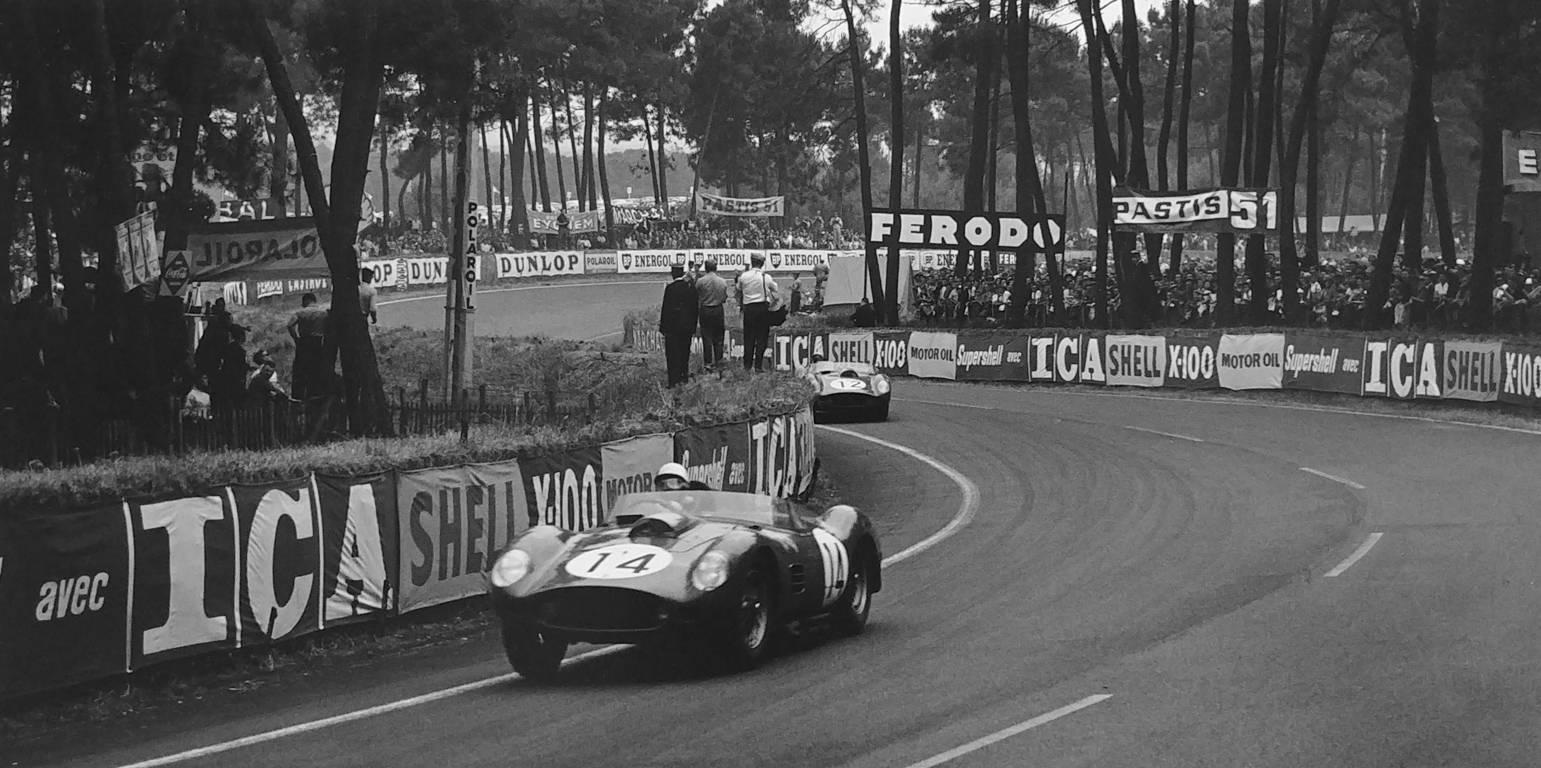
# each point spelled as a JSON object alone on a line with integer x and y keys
{"x": 799, "y": 578}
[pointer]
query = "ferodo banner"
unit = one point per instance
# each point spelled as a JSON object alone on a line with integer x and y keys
{"x": 280, "y": 567}
{"x": 539, "y": 264}
{"x": 595, "y": 262}
{"x": 64, "y": 594}
{"x": 933, "y": 355}
{"x": 628, "y": 465}
{"x": 717, "y": 456}
{"x": 1522, "y": 161}
{"x": 359, "y": 548}
{"x": 992, "y": 357}
{"x": 1322, "y": 363}
{"x": 1214, "y": 210}
{"x": 628, "y": 262}
{"x": 1522, "y": 376}
{"x": 966, "y": 229}
{"x": 185, "y": 588}
{"x": 777, "y": 446}
{"x": 1135, "y": 361}
{"x": 1252, "y": 361}
{"x": 848, "y": 347}
{"x": 452, "y": 521}
{"x": 565, "y": 489}
{"x": 1473, "y": 370}
{"x": 1401, "y": 368}
{"x": 256, "y": 250}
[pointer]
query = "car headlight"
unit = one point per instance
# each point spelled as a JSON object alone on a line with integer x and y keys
{"x": 711, "y": 571}
{"x": 509, "y": 568}
{"x": 880, "y": 385}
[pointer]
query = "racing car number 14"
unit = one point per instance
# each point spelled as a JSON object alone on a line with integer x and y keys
{"x": 619, "y": 561}
{"x": 836, "y": 564}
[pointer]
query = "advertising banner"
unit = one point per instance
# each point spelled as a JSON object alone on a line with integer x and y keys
{"x": 387, "y": 271}
{"x": 1393, "y": 368}
{"x": 992, "y": 357}
{"x": 1473, "y": 370}
{"x": 733, "y": 344}
{"x": 966, "y": 229}
{"x": 565, "y": 489}
{"x": 1252, "y": 361}
{"x": 267, "y": 288}
{"x": 539, "y": 264}
{"x": 434, "y": 270}
{"x": 850, "y": 347}
{"x": 628, "y": 262}
{"x": 542, "y": 223}
{"x": 776, "y": 447}
{"x": 1135, "y": 361}
{"x": 1072, "y": 358}
{"x": 797, "y": 261}
{"x": 794, "y": 351}
{"x": 628, "y": 465}
{"x": 1245, "y": 211}
{"x": 597, "y": 262}
{"x": 1522, "y": 375}
{"x": 1323, "y": 363}
{"x": 256, "y": 250}
{"x": 185, "y": 584}
{"x": 1522, "y": 161}
{"x": 359, "y": 549}
{"x": 717, "y": 456}
{"x": 255, "y": 209}
{"x": 64, "y": 591}
{"x": 1192, "y": 362}
{"x": 452, "y": 521}
{"x": 139, "y": 251}
{"x": 715, "y": 205}
{"x": 933, "y": 355}
{"x": 280, "y": 565}
{"x": 1430, "y": 384}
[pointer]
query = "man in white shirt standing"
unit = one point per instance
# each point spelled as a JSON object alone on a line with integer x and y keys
{"x": 757, "y": 293}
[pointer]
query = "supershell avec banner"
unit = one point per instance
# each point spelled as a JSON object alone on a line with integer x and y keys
{"x": 1243, "y": 211}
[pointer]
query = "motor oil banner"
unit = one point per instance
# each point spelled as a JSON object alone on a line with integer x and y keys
{"x": 1400, "y": 368}
{"x": 452, "y": 521}
{"x": 359, "y": 547}
{"x": 1067, "y": 358}
{"x": 1252, "y": 361}
{"x": 992, "y": 357}
{"x": 717, "y": 456}
{"x": 596, "y": 262}
{"x": 565, "y": 489}
{"x": 1192, "y": 362}
{"x": 776, "y": 448}
{"x": 1135, "y": 361}
{"x": 933, "y": 355}
{"x": 280, "y": 564}
{"x": 256, "y": 250}
{"x": 185, "y": 585}
{"x": 1472, "y": 370}
{"x": 848, "y": 347}
{"x": 891, "y": 352}
{"x": 1522, "y": 375}
{"x": 628, "y": 465}
{"x": 64, "y": 593}
{"x": 1323, "y": 363}
{"x": 794, "y": 351}
{"x": 539, "y": 264}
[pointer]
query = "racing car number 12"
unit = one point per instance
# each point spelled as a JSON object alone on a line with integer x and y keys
{"x": 619, "y": 561}
{"x": 836, "y": 564}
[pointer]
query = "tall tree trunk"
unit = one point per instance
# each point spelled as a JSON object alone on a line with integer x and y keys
{"x": 588, "y": 147}
{"x": 859, "y": 88}
{"x": 1300, "y": 121}
{"x": 890, "y": 309}
{"x": 278, "y": 181}
{"x": 920, "y": 130}
{"x": 114, "y": 184}
{"x": 1352, "y": 148}
{"x": 487, "y": 198}
{"x": 663, "y": 157}
{"x": 460, "y": 347}
{"x": 1102, "y": 146}
{"x": 1314, "y": 184}
{"x": 508, "y": 188}
{"x": 572, "y": 145}
{"x": 652, "y": 157}
{"x": 979, "y": 124}
{"x": 42, "y": 230}
{"x": 604, "y": 174}
{"x": 992, "y": 165}
{"x": 10, "y": 174}
{"x": 1183, "y": 123}
{"x": 385, "y": 186}
{"x": 1262, "y": 156}
{"x": 519, "y": 208}
{"x": 540, "y": 151}
{"x": 1030, "y": 198}
{"x": 556, "y": 147}
{"x": 1230, "y": 175}
{"x": 446, "y": 216}
{"x": 1494, "y": 109}
{"x": 1377, "y": 216}
{"x": 1441, "y": 190}
{"x": 1164, "y": 135}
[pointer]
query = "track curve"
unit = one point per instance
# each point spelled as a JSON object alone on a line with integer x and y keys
{"x": 1169, "y": 554}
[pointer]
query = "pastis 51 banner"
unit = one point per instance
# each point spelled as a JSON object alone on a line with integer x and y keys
{"x": 1244, "y": 211}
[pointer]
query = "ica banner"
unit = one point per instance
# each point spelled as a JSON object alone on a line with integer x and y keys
{"x": 717, "y": 456}
{"x": 185, "y": 585}
{"x": 794, "y": 351}
{"x": 452, "y": 521}
{"x": 565, "y": 489}
{"x": 64, "y": 592}
{"x": 359, "y": 548}
{"x": 1324, "y": 363}
{"x": 280, "y": 563}
{"x": 628, "y": 465}
{"x": 992, "y": 357}
{"x": 776, "y": 447}
{"x": 1472, "y": 370}
{"x": 932, "y": 355}
{"x": 1068, "y": 358}
{"x": 1135, "y": 361}
{"x": 1252, "y": 361}
{"x": 1401, "y": 368}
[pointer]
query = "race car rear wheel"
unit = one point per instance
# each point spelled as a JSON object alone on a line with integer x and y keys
{"x": 746, "y": 635}
{"x": 850, "y": 615}
{"x": 533, "y": 655}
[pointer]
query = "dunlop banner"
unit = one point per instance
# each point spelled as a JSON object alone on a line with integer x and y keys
{"x": 628, "y": 465}
{"x": 359, "y": 547}
{"x": 1472, "y": 370}
{"x": 539, "y": 264}
{"x": 1252, "y": 361}
{"x": 280, "y": 566}
{"x": 64, "y": 594}
{"x": 452, "y": 521}
{"x": 1135, "y": 361}
{"x": 1323, "y": 363}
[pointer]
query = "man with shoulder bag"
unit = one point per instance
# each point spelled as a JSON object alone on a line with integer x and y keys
{"x": 759, "y": 297}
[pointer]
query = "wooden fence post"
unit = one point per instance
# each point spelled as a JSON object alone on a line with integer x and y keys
{"x": 465, "y": 412}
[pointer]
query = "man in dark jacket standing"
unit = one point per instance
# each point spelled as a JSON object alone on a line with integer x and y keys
{"x": 677, "y": 323}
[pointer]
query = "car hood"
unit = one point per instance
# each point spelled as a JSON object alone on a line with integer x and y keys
{"x": 616, "y": 557}
{"x": 835, "y": 384}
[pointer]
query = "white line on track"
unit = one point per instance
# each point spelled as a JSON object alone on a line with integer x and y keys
{"x": 433, "y": 296}
{"x": 966, "y": 510}
{"x": 1006, "y": 733}
{"x": 1363, "y": 549}
{"x": 1334, "y": 478}
{"x": 1173, "y": 435}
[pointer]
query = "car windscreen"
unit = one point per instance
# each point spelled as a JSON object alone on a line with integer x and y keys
{"x": 838, "y": 368}
{"x": 746, "y": 507}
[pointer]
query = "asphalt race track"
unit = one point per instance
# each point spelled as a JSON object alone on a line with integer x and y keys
{"x": 580, "y": 310}
{"x": 1143, "y": 582}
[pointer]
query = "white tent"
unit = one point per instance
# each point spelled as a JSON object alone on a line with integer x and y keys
{"x": 848, "y": 281}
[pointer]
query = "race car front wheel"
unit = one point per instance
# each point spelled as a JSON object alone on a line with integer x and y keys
{"x": 533, "y": 655}
{"x": 745, "y": 635}
{"x": 850, "y": 615}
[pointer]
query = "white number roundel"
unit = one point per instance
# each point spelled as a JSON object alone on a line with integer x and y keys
{"x": 847, "y": 384}
{"x": 619, "y": 561}
{"x": 836, "y": 563}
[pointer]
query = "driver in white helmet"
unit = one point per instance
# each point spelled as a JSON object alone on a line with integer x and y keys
{"x": 673, "y": 477}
